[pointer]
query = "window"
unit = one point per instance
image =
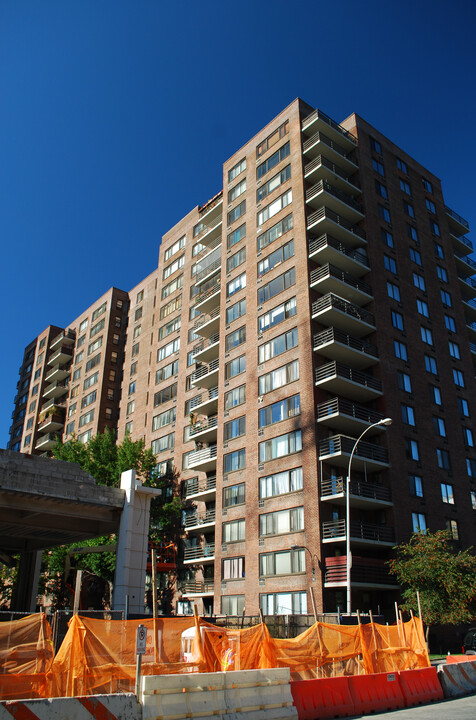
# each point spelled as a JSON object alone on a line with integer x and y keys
{"x": 376, "y": 146}
{"x": 236, "y": 213}
{"x": 72, "y": 409}
{"x": 81, "y": 341}
{"x": 446, "y": 298}
{"x": 237, "y": 170}
{"x": 91, "y": 380}
{"x": 454, "y": 350}
{"x": 278, "y": 345}
{"x": 279, "y": 411}
{"x": 427, "y": 185}
{"x": 409, "y": 209}
{"x": 282, "y": 521}
{"x": 441, "y": 273}
{"x": 88, "y": 399}
{"x": 236, "y": 236}
{"x": 412, "y": 449}
{"x": 450, "y": 323}
{"x": 276, "y": 286}
{"x": 170, "y": 307}
{"x": 400, "y": 350}
{"x": 439, "y": 426}
{"x": 167, "y": 350}
{"x": 405, "y": 187}
{"x": 69, "y": 428}
{"x": 280, "y": 446}
{"x": 452, "y": 526}
{"x": 384, "y": 213}
{"x": 236, "y": 191}
{"x": 275, "y": 232}
{"x": 419, "y": 282}
{"x": 169, "y": 328}
{"x": 172, "y": 287}
{"x": 233, "y": 568}
{"x": 412, "y": 233}
{"x": 288, "y": 603}
{"x": 397, "y": 320}
{"x": 32, "y": 406}
{"x": 447, "y": 493}
{"x": 426, "y": 335}
{"x": 419, "y": 522}
{"x": 235, "y": 397}
{"x": 468, "y": 437}
{"x": 231, "y": 605}
{"x": 404, "y": 381}
{"x": 166, "y": 394}
{"x": 173, "y": 267}
{"x": 473, "y": 499}
{"x": 281, "y": 483}
{"x": 390, "y": 264}
{"x": 415, "y": 256}
{"x": 79, "y": 357}
{"x": 166, "y": 371}
{"x": 272, "y": 161}
{"x": 435, "y": 228}
{"x": 235, "y": 367}
{"x": 178, "y": 245}
{"x": 235, "y": 311}
{"x": 458, "y": 378}
{"x": 378, "y": 167}
{"x": 430, "y": 365}
{"x": 277, "y": 315}
{"x": 443, "y": 459}
{"x": 471, "y": 467}
{"x": 236, "y": 285}
{"x": 430, "y": 206}
{"x": 233, "y": 531}
{"x": 95, "y": 345}
{"x": 387, "y": 238}
{"x": 163, "y": 419}
{"x": 381, "y": 190}
{"x": 408, "y": 414}
{"x": 86, "y": 418}
{"x": 276, "y": 258}
{"x": 234, "y": 428}
{"x": 234, "y": 495}
{"x": 438, "y": 250}
{"x": 273, "y": 138}
{"x": 167, "y": 442}
{"x": 435, "y": 394}
{"x": 279, "y": 377}
{"x": 393, "y": 291}
{"x": 273, "y": 208}
{"x": 273, "y": 183}
{"x": 287, "y": 562}
{"x": 416, "y": 485}
{"x": 236, "y": 338}
{"x": 402, "y": 166}
{"x": 463, "y": 407}
{"x": 99, "y": 311}
{"x": 235, "y": 260}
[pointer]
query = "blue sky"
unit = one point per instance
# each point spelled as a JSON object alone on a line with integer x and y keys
{"x": 116, "y": 116}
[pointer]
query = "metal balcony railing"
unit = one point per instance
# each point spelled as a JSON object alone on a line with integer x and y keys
{"x": 203, "y": 455}
{"x": 204, "y": 518}
{"x": 468, "y": 280}
{"x": 210, "y": 263}
{"x": 206, "y": 228}
{"x": 206, "y": 317}
{"x": 339, "y": 194}
{"x": 203, "y": 397}
{"x": 334, "y": 302}
{"x": 327, "y": 213}
{"x": 207, "y": 293}
{"x": 358, "y": 254}
{"x": 205, "y": 370}
{"x": 457, "y": 217}
{"x": 364, "y": 570}
{"x": 466, "y": 259}
{"x": 212, "y": 340}
{"x": 322, "y": 161}
{"x": 339, "y": 336}
{"x": 344, "y": 371}
{"x": 343, "y": 444}
{"x": 358, "y": 530}
{"x": 199, "y": 551}
{"x": 197, "y": 588}
{"x": 321, "y": 137}
{"x": 346, "y": 407}
{"x": 201, "y": 426}
{"x": 318, "y": 114}
{"x": 329, "y": 270}
{"x": 373, "y": 491}
{"x": 195, "y": 486}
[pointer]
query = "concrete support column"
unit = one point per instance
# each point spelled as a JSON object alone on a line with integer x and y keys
{"x": 26, "y": 589}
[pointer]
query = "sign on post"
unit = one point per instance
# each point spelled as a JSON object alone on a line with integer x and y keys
{"x": 141, "y": 640}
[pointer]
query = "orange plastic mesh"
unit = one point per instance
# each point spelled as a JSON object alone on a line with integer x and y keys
{"x": 26, "y": 655}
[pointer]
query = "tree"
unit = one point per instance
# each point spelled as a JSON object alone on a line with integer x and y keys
{"x": 444, "y": 578}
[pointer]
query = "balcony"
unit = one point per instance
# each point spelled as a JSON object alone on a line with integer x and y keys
{"x": 344, "y": 415}
{"x": 53, "y": 422}
{"x": 56, "y": 389}
{"x": 326, "y": 221}
{"x": 61, "y": 356}
{"x": 205, "y": 430}
{"x": 321, "y": 144}
{"x": 456, "y": 222}
{"x": 207, "y": 324}
{"x": 318, "y": 120}
{"x": 197, "y": 588}
{"x": 326, "y": 249}
{"x": 206, "y": 403}
{"x": 368, "y": 456}
{"x": 340, "y": 379}
{"x": 210, "y": 232}
{"x": 206, "y": 375}
{"x": 360, "y": 533}
{"x": 57, "y": 373}
{"x": 470, "y": 309}
{"x": 338, "y": 345}
{"x": 365, "y": 495}
{"x": 461, "y": 244}
{"x": 46, "y": 442}
{"x": 325, "y": 194}
{"x": 200, "y": 521}
{"x": 464, "y": 264}
{"x": 467, "y": 285}
{"x": 209, "y": 264}
{"x": 209, "y": 299}
{"x": 207, "y": 350}
{"x": 369, "y": 573}
{"x": 336, "y": 311}
{"x": 205, "y": 459}
{"x": 196, "y": 489}
{"x": 331, "y": 279}
{"x": 471, "y": 328}
{"x": 472, "y": 348}
{"x": 66, "y": 337}
{"x": 322, "y": 169}
{"x": 199, "y": 554}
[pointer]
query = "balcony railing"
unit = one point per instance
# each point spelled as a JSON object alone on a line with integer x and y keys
{"x": 468, "y": 280}
{"x": 199, "y": 551}
{"x": 205, "y": 370}
{"x": 329, "y": 270}
{"x": 66, "y": 336}
{"x": 358, "y": 254}
{"x": 465, "y": 258}
{"x": 344, "y": 197}
{"x": 47, "y": 440}
{"x": 202, "y": 455}
{"x": 318, "y": 114}
{"x": 457, "y": 217}
{"x": 321, "y": 137}
{"x": 372, "y": 491}
{"x": 358, "y": 531}
{"x": 206, "y": 317}
{"x": 345, "y": 407}
{"x": 344, "y": 371}
{"x": 339, "y": 336}
{"x": 334, "y": 302}
{"x": 201, "y": 426}
{"x": 343, "y": 444}
{"x": 371, "y": 571}
{"x": 197, "y": 588}
{"x": 327, "y": 213}
{"x": 322, "y": 161}
{"x": 203, "y": 397}
{"x": 210, "y": 263}
{"x": 204, "y": 518}
{"x": 207, "y": 293}
{"x": 195, "y": 486}
{"x": 212, "y": 340}
{"x": 210, "y": 204}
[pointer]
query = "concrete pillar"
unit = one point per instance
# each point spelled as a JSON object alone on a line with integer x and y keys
{"x": 131, "y": 560}
{"x": 26, "y": 588}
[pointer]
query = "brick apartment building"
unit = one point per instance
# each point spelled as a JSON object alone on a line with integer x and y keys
{"x": 326, "y": 287}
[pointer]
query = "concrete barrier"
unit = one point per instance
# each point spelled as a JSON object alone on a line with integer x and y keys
{"x": 99, "y": 707}
{"x": 246, "y": 694}
{"x": 458, "y": 679}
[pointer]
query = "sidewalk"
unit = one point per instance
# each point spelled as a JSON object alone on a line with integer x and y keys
{"x": 457, "y": 709}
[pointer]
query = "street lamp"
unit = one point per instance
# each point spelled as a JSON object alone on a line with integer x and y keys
{"x": 313, "y": 557}
{"x": 384, "y": 422}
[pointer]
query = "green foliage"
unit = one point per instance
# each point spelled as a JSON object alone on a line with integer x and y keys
{"x": 445, "y": 579}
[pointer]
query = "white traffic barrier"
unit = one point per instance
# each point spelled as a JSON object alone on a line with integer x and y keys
{"x": 100, "y": 707}
{"x": 458, "y": 679}
{"x": 242, "y": 694}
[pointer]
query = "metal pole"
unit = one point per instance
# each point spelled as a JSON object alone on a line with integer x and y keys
{"x": 77, "y": 591}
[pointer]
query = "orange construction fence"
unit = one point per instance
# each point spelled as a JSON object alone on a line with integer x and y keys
{"x": 98, "y": 656}
{"x": 26, "y": 656}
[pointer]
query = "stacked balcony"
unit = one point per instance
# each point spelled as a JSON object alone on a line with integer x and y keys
{"x": 327, "y": 249}
{"x": 366, "y": 572}
{"x": 204, "y": 459}
{"x": 364, "y": 495}
{"x": 201, "y": 490}
{"x": 203, "y": 553}
{"x": 361, "y": 533}
{"x": 197, "y": 588}
{"x": 368, "y": 456}
{"x": 200, "y": 521}
{"x": 46, "y": 442}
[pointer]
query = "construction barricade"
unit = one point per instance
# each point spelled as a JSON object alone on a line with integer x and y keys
{"x": 324, "y": 698}
{"x": 458, "y": 678}
{"x": 420, "y": 686}
{"x": 99, "y": 707}
{"x": 26, "y": 656}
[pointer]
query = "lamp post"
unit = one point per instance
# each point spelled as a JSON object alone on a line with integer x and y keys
{"x": 384, "y": 422}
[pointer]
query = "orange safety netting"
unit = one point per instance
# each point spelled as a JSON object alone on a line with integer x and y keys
{"x": 26, "y": 655}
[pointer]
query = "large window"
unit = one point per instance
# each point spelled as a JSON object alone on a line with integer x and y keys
{"x": 237, "y": 170}
{"x": 277, "y": 315}
{"x": 165, "y": 394}
{"x": 272, "y": 161}
{"x": 280, "y": 483}
{"x": 166, "y": 371}
{"x": 235, "y": 367}
{"x": 170, "y": 327}
{"x": 236, "y": 338}
{"x": 234, "y": 495}
{"x": 278, "y": 345}
{"x": 236, "y": 191}
{"x": 163, "y": 419}
{"x": 166, "y": 442}
{"x": 287, "y": 603}
{"x": 232, "y": 604}
{"x": 233, "y": 461}
{"x": 234, "y": 531}
{"x": 279, "y": 411}
{"x": 276, "y": 286}
{"x": 279, "y": 377}
{"x": 280, "y": 446}
{"x": 236, "y": 285}
{"x": 281, "y": 521}
{"x": 168, "y": 350}
{"x": 235, "y": 397}
{"x": 235, "y": 260}
{"x": 236, "y": 311}
{"x": 287, "y": 562}
{"x": 273, "y": 208}
{"x": 172, "y": 287}
{"x": 178, "y": 245}
{"x": 273, "y": 138}
{"x": 276, "y": 258}
{"x": 234, "y": 428}
{"x": 99, "y": 311}
{"x": 236, "y": 236}
{"x": 273, "y": 183}
{"x": 233, "y": 568}
{"x": 173, "y": 267}
{"x": 236, "y": 213}
{"x": 275, "y": 232}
